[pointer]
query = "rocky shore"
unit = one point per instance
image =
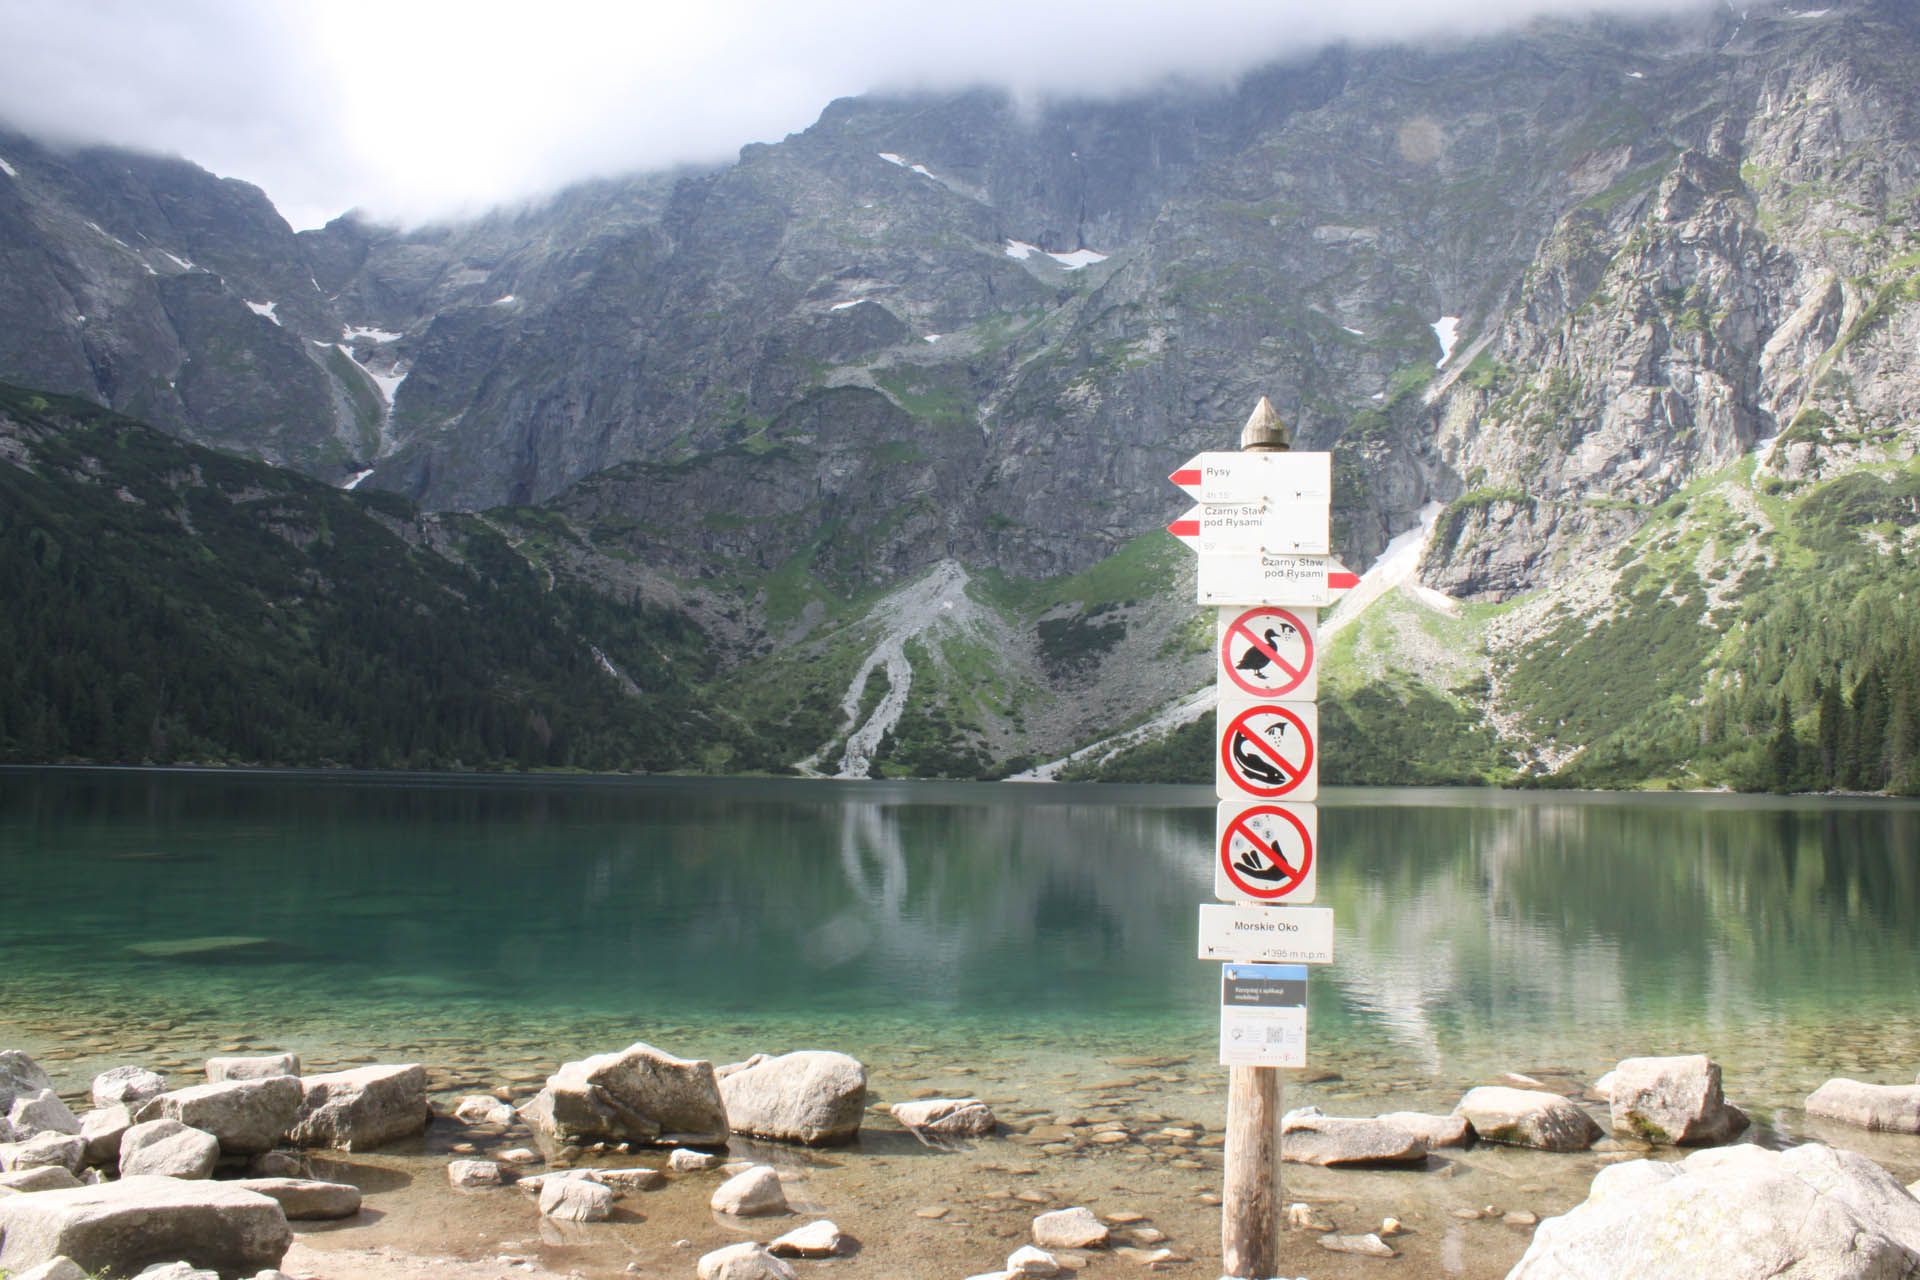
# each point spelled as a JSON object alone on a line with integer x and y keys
{"x": 638, "y": 1162}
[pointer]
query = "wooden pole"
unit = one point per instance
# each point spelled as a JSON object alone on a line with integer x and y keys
{"x": 1250, "y": 1198}
{"x": 1250, "y": 1208}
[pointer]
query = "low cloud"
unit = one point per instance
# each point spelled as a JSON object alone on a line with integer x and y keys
{"x": 430, "y": 108}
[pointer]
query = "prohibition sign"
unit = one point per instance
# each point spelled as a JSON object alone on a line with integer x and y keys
{"x": 1252, "y": 750}
{"x": 1259, "y": 856}
{"x": 1255, "y": 649}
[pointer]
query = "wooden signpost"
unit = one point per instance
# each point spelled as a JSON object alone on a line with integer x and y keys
{"x": 1261, "y": 531}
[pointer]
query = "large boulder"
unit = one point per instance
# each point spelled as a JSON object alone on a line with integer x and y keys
{"x": 1308, "y": 1136}
{"x": 247, "y": 1116}
{"x": 46, "y": 1177}
{"x": 1734, "y": 1213}
{"x": 65, "y": 1150}
{"x": 102, "y": 1129}
{"x": 1894, "y": 1108}
{"x": 168, "y": 1149}
{"x": 1672, "y": 1102}
{"x": 945, "y": 1117}
{"x": 813, "y": 1096}
{"x": 19, "y": 1074}
{"x": 127, "y": 1086}
{"x": 636, "y": 1095}
{"x": 1528, "y": 1118}
{"x": 259, "y": 1066}
{"x": 361, "y": 1109}
{"x": 306, "y": 1199}
{"x": 120, "y": 1227}
{"x": 40, "y": 1112}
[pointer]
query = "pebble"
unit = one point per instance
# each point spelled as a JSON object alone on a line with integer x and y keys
{"x": 1521, "y": 1218}
{"x": 1369, "y": 1245}
{"x": 933, "y": 1211}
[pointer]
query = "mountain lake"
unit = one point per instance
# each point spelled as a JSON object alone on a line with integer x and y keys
{"x": 1031, "y": 945}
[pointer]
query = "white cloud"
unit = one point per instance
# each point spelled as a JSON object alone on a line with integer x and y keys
{"x": 422, "y": 108}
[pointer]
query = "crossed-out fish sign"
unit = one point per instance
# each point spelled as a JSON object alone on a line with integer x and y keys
{"x": 1267, "y": 652}
{"x": 1265, "y": 852}
{"x": 1267, "y": 750}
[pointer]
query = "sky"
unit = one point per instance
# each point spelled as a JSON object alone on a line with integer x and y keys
{"x": 413, "y": 110}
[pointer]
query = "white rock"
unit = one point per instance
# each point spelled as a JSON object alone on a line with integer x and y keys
{"x": 1734, "y": 1213}
{"x": 41, "y": 1112}
{"x": 686, "y": 1160}
{"x": 361, "y": 1109}
{"x": 168, "y": 1149}
{"x": 820, "y": 1239}
{"x": 1368, "y": 1245}
{"x": 1028, "y": 1260}
{"x": 253, "y": 1067}
{"x": 482, "y": 1108}
{"x": 19, "y": 1074}
{"x": 67, "y": 1150}
{"x": 947, "y": 1117}
{"x": 120, "y": 1225}
{"x": 1893, "y": 1108}
{"x": 472, "y": 1174}
{"x": 1671, "y": 1101}
{"x": 127, "y": 1086}
{"x": 813, "y": 1096}
{"x": 751, "y": 1194}
{"x": 57, "y": 1269}
{"x": 636, "y": 1095}
{"x": 1528, "y": 1118}
{"x": 247, "y": 1116}
{"x": 1075, "y": 1228}
{"x": 101, "y": 1129}
{"x": 743, "y": 1261}
{"x": 575, "y": 1200}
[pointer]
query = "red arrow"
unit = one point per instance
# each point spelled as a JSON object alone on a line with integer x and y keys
{"x": 1186, "y": 477}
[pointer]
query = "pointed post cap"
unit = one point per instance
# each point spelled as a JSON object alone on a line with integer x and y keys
{"x": 1264, "y": 430}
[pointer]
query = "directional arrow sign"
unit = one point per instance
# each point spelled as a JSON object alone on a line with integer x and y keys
{"x": 1266, "y": 935}
{"x": 1267, "y": 751}
{"x": 1259, "y": 578}
{"x": 1257, "y": 477}
{"x": 1299, "y": 528}
{"x": 1265, "y": 852}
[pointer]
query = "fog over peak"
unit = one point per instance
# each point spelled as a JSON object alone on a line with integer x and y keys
{"x": 432, "y": 108}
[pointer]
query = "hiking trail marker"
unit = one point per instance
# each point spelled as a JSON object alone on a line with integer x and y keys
{"x": 1263, "y": 534}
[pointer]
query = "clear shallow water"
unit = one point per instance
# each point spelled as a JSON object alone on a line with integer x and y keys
{"x": 1477, "y": 932}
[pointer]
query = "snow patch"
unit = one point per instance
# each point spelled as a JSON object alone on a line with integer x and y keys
{"x": 182, "y": 263}
{"x": 1379, "y": 395}
{"x": 1811, "y": 13}
{"x": 1447, "y": 330}
{"x": 1020, "y": 250}
{"x": 843, "y": 306}
{"x": 263, "y": 309}
{"x": 895, "y": 158}
{"x": 1396, "y": 566}
{"x": 506, "y": 300}
{"x": 353, "y": 481}
{"x": 1358, "y": 333}
{"x": 1636, "y": 75}
{"x": 935, "y": 337}
{"x": 8, "y": 169}
{"x": 354, "y": 333}
{"x": 1078, "y": 258}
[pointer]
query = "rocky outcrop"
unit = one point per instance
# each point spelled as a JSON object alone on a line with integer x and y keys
{"x": 120, "y": 1227}
{"x": 1894, "y": 1108}
{"x": 1528, "y": 1118}
{"x": 247, "y": 1116}
{"x": 1735, "y": 1213}
{"x": 361, "y": 1109}
{"x": 1672, "y": 1101}
{"x": 636, "y": 1095}
{"x": 811, "y": 1097}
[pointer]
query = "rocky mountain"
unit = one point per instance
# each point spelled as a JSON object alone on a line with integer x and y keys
{"x": 886, "y": 407}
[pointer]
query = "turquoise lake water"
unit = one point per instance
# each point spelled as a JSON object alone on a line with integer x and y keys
{"x": 1477, "y": 932}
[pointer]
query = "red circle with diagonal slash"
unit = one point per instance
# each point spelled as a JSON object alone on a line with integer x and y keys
{"x": 1296, "y": 773}
{"x": 1242, "y": 627}
{"x": 1239, "y": 826}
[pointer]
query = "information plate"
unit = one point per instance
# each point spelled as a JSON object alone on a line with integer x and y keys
{"x": 1301, "y": 528}
{"x": 1263, "y": 1015}
{"x": 1259, "y": 578}
{"x": 1257, "y": 477}
{"x": 1266, "y": 935}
